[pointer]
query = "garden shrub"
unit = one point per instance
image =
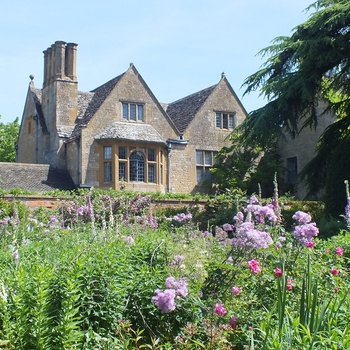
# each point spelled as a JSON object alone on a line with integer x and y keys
{"x": 99, "y": 278}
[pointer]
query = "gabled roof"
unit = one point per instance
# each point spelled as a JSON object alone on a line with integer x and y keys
{"x": 34, "y": 177}
{"x": 89, "y": 103}
{"x": 37, "y": 100}
{"x": 131, "y": 131}
{"x": 184, "y": 110}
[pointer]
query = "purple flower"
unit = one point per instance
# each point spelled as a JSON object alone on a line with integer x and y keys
{"x": 248, "y": 236}
{"x": 178, "y": 259}
{"x": 302, "y": 217}
{"x": 182, "y": 217}
{"x": 227, "y": 227}
{"x": 179, "y": 286}
{"x": 164, "y": 300}
{"x": 305, "y": 233}
{"x": 239, "y": 217}
{"x": 81, "y": 210}
{"x": 262, "y": 212}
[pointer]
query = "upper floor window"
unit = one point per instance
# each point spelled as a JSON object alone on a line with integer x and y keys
{"x": 225, "y": 120}
{"x": 133, "y": 111}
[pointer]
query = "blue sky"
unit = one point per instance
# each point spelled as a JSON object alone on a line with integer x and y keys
{"x": 179, "y": 47}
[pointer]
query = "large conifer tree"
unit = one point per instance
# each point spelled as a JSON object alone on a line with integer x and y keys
{"x": 312, "y": 64}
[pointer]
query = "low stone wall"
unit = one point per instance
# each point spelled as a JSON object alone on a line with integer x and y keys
{"x": 35, "y": 201}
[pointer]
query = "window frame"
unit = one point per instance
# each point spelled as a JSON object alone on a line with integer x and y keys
{"x": 107, "y": 163}
{"x": 202, "y": 166}
{"x": 133, "y": 111}
{"x": 225, "y": 120}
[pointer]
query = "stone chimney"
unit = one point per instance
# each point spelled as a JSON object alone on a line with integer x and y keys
{"x": 60, "y": 63}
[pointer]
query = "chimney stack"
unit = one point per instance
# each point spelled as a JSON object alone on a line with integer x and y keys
{"x": 60, "y": 63}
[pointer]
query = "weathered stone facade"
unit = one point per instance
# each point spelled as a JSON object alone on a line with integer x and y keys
{"x": 119, "y": 134}
{"x": 297, "y": 151}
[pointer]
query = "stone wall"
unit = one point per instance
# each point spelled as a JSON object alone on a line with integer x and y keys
{"x": 303, "y": 147}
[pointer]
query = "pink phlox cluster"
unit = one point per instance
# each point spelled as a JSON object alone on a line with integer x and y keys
{"x": 239, "y": 217}
{"x": 289, "y": 285}
{"x": 254, "y": 266}
{"x": 301, "y": 217}
{"x": 165, "y": 300}
{"x": 179, "y": 285}
{"x": 182, "y": 217}
{"x": 262, "y": 213}
{"x": 227, "y": 227}
{"x": 305, "y": 231}
{"x": 248, "y": 236}
{"x": 253, "y": 200}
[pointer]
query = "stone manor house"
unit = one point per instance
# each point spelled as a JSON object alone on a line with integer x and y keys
{"x": 119, "y": 134}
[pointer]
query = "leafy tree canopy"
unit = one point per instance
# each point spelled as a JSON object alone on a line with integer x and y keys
{"x": 312, "y": 64}
{"x": 250, "y": 168}
{"x": 8, "y": 138}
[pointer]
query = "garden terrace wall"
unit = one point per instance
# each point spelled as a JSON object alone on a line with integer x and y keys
{"x": 35, "y": 201}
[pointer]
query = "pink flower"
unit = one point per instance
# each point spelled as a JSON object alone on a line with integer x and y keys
{"x": 339, "y": 251}
{"x": 233, "y": 322}
{"x": 278, "y": 272}
{"x": 327, "y": 251}
{"x": 335, "y": 272}
{"x": 336, "y": 289}
{"x": 289, "y": 284}
{"x": 254, "y": 266}
{"x": 220, "y": 310}
{"x": 236, "y": 290}
{"x": 310, "y": 244}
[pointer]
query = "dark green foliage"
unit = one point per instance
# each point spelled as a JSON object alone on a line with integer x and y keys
{"x": 250, "y": 168}
{"x": 8, "y": 138}
{"x": 311, "y": 65}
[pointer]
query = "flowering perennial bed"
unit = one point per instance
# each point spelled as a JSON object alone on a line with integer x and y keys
{"x": 104, "y": 273}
